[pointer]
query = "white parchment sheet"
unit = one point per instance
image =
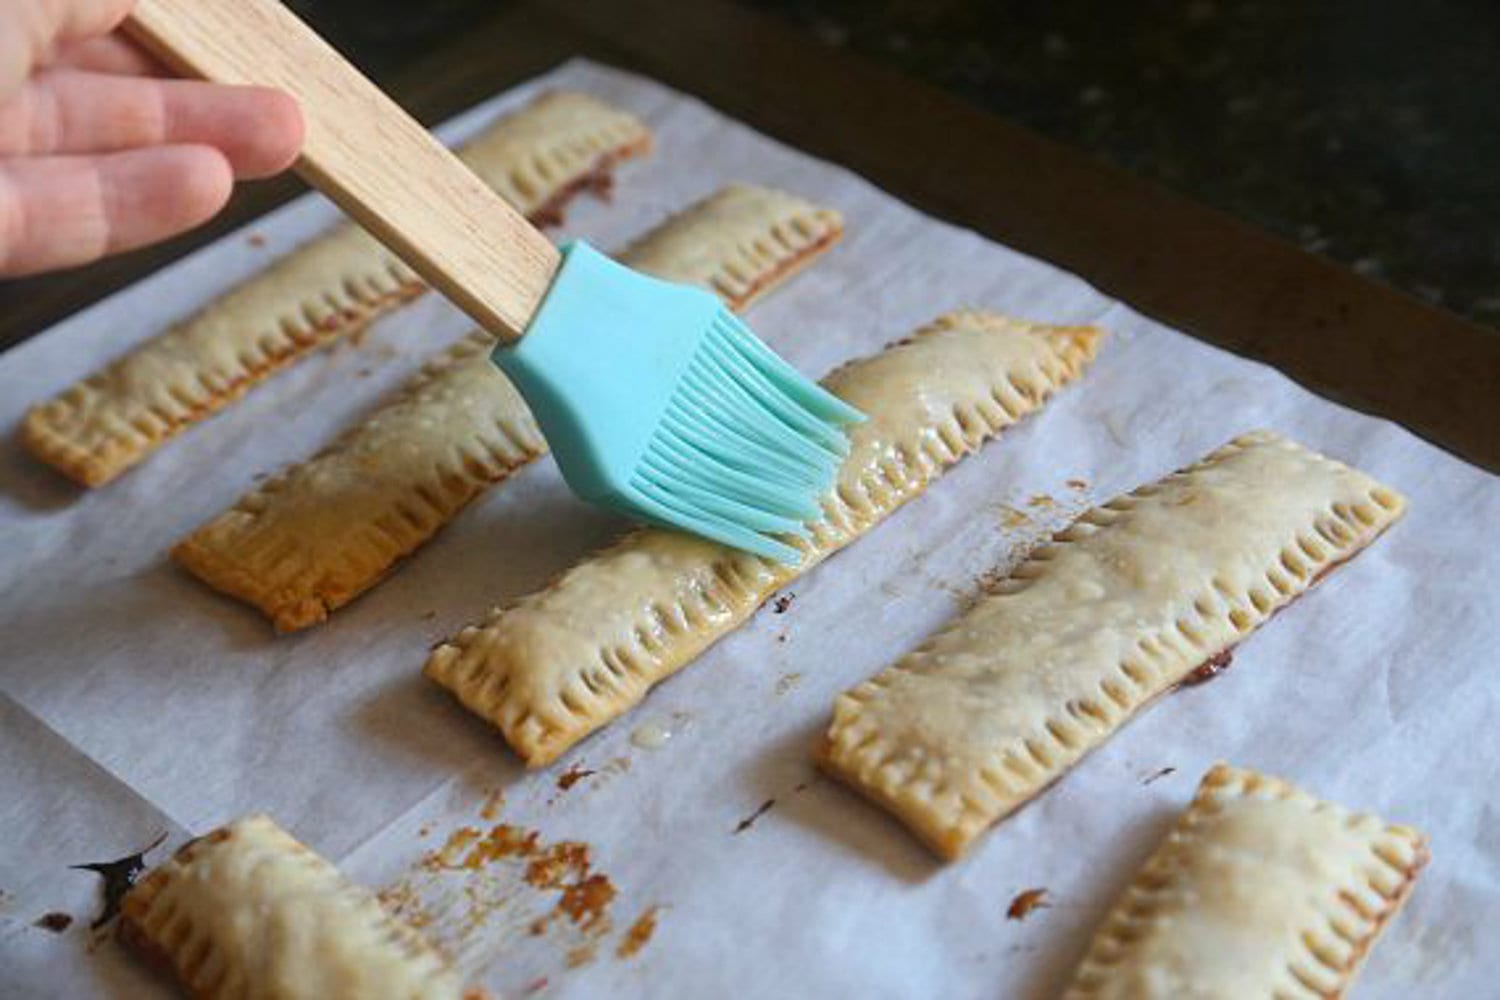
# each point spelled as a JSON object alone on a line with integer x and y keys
{"x": 137, "y": 701}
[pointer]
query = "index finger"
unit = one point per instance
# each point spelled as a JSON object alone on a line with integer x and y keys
{"x": 31, "y": 30}
{"x": 62, "y": 211}
{"x": 113, "y": 53}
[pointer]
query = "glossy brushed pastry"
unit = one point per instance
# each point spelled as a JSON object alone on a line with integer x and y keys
{"x": 556, "y": 665}
{"x": 1120, "y": 607}
{"x": 1260, "y": 890}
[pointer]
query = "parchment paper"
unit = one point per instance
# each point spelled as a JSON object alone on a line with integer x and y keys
{"x": 136, "y": 701}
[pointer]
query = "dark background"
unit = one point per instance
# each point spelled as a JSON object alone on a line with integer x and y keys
{"x": 1367, "y": 131}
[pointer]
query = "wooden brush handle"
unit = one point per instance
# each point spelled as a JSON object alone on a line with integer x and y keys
{"x": 367, "y": 154}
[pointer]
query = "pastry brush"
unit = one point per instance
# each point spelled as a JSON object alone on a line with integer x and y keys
{"x": 655, "y": 399}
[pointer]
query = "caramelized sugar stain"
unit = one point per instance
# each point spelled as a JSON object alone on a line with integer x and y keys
{"x": 639, "y": 934}
{"x": 1209, "y": 669}
{"x": 572, "y": 776}
{"x": 54, "y": 922}
{"x": 118, "y": 876}
{"x": 504, "y": 871}
{"x": 1025, "y": 903}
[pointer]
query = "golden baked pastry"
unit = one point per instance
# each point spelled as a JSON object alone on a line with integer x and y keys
{"x": 559, "y": 664}
{"x": 247, "y": 911}
{"x": 1260, "y": 890}
{"x": 1120, "y": 607}
{"x": 323, "y": 531}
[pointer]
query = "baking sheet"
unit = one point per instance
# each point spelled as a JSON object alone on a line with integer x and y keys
{"x": 136, "y": 702}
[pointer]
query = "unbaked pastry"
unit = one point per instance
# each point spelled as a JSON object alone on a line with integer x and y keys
{"x": 1259, "y": 891}
{"x": 247, "y": 911}
{"x": 1120, "y": 607}
{"x": 325, "y": 530}
{"x": 559, "y": 664}
{"x": 329, "y": 287}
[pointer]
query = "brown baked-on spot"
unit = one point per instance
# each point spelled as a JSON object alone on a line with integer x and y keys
{"x": 782, "y": 603}
{"x": 583, "y": 896}
{"x": 586, "y": 895}
{"x": 1025, "y": 903}
{"x": 503, "y": 841}
{"x": 639, "y": 934}
{"x": 54, "y": 922}
{"x": 749, "y": 821}
{"x": 570, "y": 858}
{"x": 598, "y": 181}
{"x": 572, "y": 776}
{"x": 119, "y": 878}
{"x": 1209, "y": 668}
{"x": 586, "y": 902}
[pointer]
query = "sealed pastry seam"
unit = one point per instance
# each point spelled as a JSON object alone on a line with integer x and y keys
{"x": 1119, "y": 608}
{"x": 561, "y": 663}
{"x": 1260, "y": 889}
{"x": 325, "y": 530}
{"x": 329, "y": 287}
{"x": 247, "y": 910}
{"x": 739, "y": 242}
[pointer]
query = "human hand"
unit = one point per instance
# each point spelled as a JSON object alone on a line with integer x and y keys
{"x": 100, "y": 154}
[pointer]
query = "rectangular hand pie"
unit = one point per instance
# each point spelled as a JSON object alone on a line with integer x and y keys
{"x": 1260, "y": 890}
{"x": 559, "y": 664}
{"x": 247, "y": 911}
{"x": 331, "y": 286}
{"x": 1121, "y": 606}
{"x": 316, "y": 536}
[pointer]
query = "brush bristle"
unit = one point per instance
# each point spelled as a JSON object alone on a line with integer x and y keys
{"x": 659, "y": 403}
{"x": 747, "y": 447}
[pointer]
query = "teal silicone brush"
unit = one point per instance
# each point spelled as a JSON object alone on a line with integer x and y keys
{"x": 659, "y": 402}
{"x": 655, "y": 399}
